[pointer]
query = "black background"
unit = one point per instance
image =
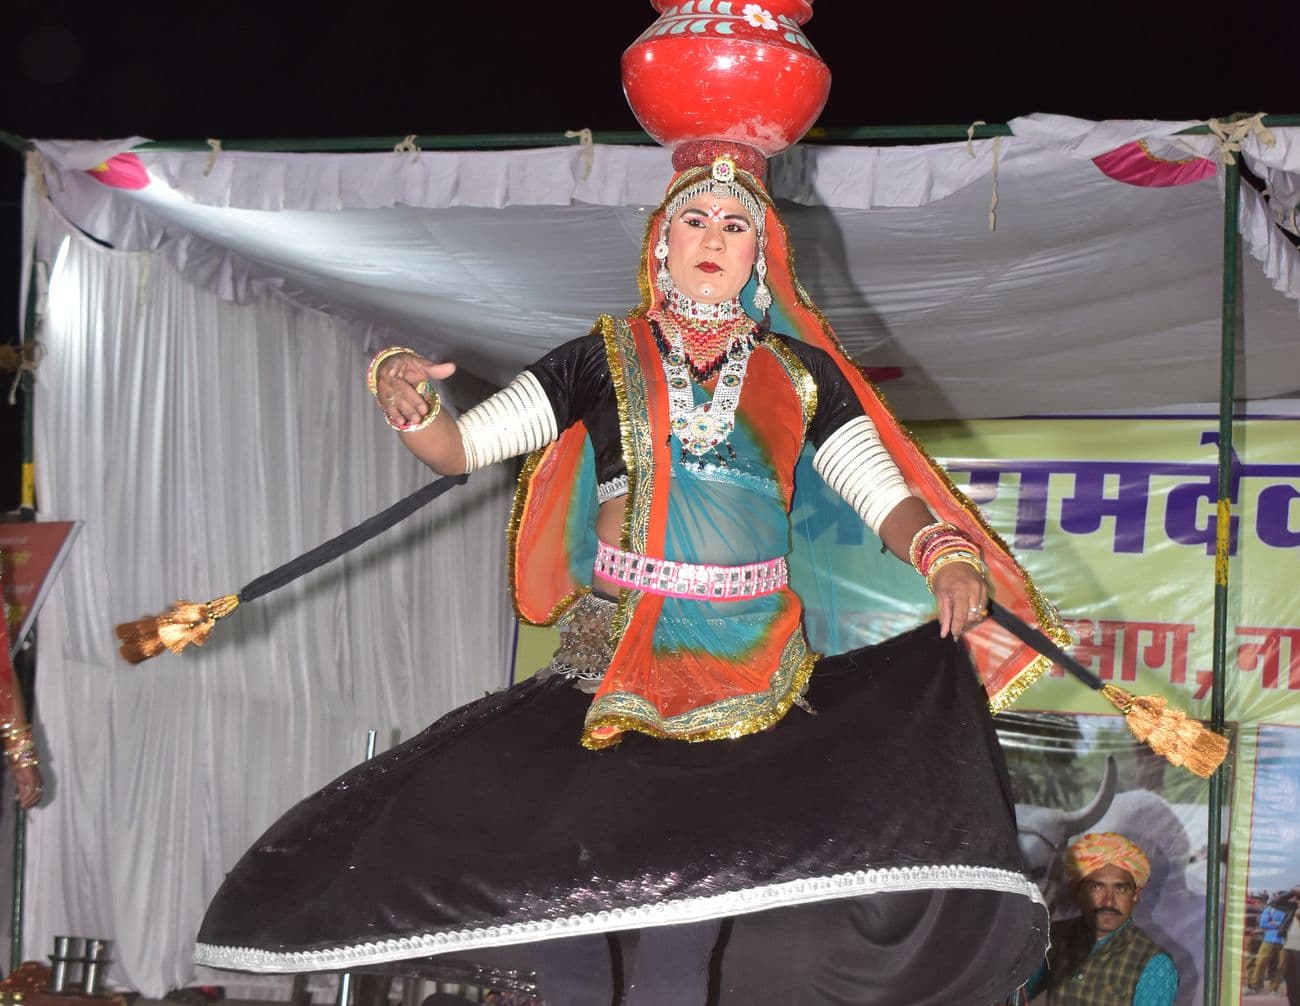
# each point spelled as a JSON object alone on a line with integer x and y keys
{"x": 279, "y": 70}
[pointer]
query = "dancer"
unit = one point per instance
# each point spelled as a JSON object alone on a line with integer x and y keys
{"x": 689, "y": 803}
{"x": 654, "y": 520}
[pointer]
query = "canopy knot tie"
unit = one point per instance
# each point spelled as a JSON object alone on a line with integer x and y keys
{"x": 36, "y": 169}
{"x": 214, "y": 148}
{"x": 997, "y": 147}
{"x": 408, "y": 146}
{"x": 588, "y": 142}
{"x": 21, "y": 359}
{"x": 1231, "y": 132}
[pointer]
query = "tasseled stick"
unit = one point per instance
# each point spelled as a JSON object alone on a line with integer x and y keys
{"x": 1168, "y": 732}
{"x": 187, "y": 622}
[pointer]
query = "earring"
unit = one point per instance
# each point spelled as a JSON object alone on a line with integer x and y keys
{"x": 762, "y": 295}
{"x": 664, "y": 281}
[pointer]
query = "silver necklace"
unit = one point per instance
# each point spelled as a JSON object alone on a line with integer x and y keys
{"x": 683, "y": 306}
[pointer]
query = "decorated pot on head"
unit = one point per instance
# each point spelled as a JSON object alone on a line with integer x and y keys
{"x": 742, "y": 76}
{"x": 724, "y": 85}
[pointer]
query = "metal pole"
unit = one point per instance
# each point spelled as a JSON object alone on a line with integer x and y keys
{"x": 27, "y": 503}
{"x": 20, "y": 857}
{"x": 1218, "y": 782}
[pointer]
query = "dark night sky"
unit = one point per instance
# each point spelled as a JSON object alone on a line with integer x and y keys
{"x": 92, "y": 70}
{"x": 191, "y": 71}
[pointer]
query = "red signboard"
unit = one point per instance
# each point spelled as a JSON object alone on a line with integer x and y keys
{"x": 31, "y": 554}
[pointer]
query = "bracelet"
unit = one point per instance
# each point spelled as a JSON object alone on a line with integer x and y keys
{"x": 20, "y": 749}
{"x": 372, "y": 372}
{"x": 431, "y": 398}
{"x": 936, "y": 541}
{"x": 25, "y": 758}
{"x": 424, "y": 389}
{"x": 968, "y": 558}
{"x": 943, "y": 547}
{"x": 921, "y": 535}
{"x": 939, "y": 545}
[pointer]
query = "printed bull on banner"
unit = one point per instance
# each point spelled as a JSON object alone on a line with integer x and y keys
{"x": 1172, "y": 906}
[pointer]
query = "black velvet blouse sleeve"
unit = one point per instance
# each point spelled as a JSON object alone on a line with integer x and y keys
{"x": 573, "y": 376}
{"x": 576, "y": 380}
{"x": 837, "y": 402}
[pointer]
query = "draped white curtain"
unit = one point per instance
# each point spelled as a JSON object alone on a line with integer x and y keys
{"x": 204, "y": 443}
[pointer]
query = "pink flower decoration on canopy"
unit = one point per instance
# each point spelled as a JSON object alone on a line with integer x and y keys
{"x": 759, "y": 17}
{"x": 1136, "y": 164}
{"x": 121, "y": 171}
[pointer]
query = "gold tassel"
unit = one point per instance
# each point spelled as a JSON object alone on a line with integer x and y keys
{"x": 1169, "y": 732}
{"x": 185, "y": 622}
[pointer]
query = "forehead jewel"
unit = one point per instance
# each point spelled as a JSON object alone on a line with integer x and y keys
{"x": 720, "y": 182}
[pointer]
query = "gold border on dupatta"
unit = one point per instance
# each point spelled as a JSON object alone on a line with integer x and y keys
{"x": 725, "y": 719}
{"x": 523, "y": 488}
{"x": 804, "y": 385}
{"x": 632, "y": 400}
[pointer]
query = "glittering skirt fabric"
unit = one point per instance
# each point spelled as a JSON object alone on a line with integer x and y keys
{"x": 865, "y": 854}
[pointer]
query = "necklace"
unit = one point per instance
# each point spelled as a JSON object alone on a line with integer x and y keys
{"x": 701, "y": 428}
{"x": 706, "y": 343}
{"x": 693, "y": 310}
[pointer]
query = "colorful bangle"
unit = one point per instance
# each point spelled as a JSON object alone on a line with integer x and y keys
{"x": 936, "y": 546}
{"x": 922, "y": 535}
{"x": 935, "y": 541}
{"x": 967, "y": 558}
{"x": 942, "y": 546}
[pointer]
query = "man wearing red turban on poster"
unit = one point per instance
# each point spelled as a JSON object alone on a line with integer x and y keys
{"x": 1102, "y": 958}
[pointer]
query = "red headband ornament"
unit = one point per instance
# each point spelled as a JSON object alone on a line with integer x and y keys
{"x": 714, "y": 77}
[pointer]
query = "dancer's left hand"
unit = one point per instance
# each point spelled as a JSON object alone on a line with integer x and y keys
{"x": 28, "y": 786}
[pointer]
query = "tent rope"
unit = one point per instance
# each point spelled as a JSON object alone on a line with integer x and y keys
{"x": 22, "y": 359}
{"x": 997, "y": 147}
{"x": 214, "y": 148}
{"x": 1231, "y": 132}
{"x": 36, "y": 169}
{"x": 584, "y": 137}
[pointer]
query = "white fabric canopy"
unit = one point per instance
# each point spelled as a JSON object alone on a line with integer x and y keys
{"x": 1082, "y": 275}
{"x": 200, "y": 407}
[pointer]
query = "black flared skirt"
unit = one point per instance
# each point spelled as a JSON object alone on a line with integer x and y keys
{"x": 862, "y": 853}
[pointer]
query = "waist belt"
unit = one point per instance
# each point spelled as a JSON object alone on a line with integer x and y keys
{"x": 702, "y": 581}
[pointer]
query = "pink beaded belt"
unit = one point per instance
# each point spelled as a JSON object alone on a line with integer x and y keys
{"x": 690, "y": 579}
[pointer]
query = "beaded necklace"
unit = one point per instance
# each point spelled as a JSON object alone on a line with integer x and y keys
{"x": 702, "y": 428}
{"x": 705, "y": 331}
{"x": 706, "y": 347}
